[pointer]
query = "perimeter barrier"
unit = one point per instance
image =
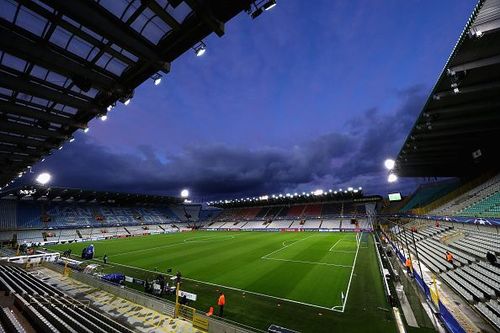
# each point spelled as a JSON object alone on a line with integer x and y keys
{"x": 449, "y": 321}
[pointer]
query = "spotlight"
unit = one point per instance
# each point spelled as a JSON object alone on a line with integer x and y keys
{"x": 125, "y": 99}
{"x": 185, "y": 193}
{"x": 392, "y": 178}
{"x": 71, "y": 139}
{"x": 86, "y": 130}
{"x": 43, "y": 178}
{"x": 104, "y": 117}
{"x": 318, "y": 192}
{"x": 60, "y": 148}
{"x": 389, "y": 164}
{"x": 200, "y": 49}
{"x": 109, "y": 108}
{"x": 156, "y": 78}
{"x": 270, "y": 4}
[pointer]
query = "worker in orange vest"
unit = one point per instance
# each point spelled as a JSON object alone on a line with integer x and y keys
{"x": 449, "y": 257}
{"x": 221, "y": 302}
{"x": 408, "y": 265}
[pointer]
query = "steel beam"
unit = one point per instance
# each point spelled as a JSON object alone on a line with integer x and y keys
{"x": 24, "y": 111}
{"x": 34, "y": 50}
{"x": 162, "y": 13}
{"x": 475, "y": 64}
{"x": 206, "y": 14}
{"x": 8, "y": 126}
{"x": 23, "y": 85}
{"x": 98, "y": 19}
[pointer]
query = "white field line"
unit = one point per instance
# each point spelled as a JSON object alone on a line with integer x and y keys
{"x": 343, "y": 251}
{"x": 163, "y": 246}
{"x": 350, "y": 279}
{"x": 284, "y": 247}
{"x": 240, "y": 290}
{"x": 334, "y": 245}
{"x": 309, "y": 262}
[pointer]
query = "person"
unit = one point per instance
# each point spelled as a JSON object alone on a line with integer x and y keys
{"x": 105, "y": 259}
{"x": 183, "y": 300}
{"x": 408, "y": 265}
{"x": 449, "y": 257}
{"x": 492, "y": 259}
{"x": 221, "y": 302}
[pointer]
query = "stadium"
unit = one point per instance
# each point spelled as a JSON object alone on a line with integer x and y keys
{"x": 334, "y": 259}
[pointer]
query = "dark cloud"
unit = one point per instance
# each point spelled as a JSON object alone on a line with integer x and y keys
{"x": 219, "y": 170}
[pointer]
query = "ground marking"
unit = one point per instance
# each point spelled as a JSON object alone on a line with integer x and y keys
{"x": 334, "y": 245}
{"x": 163, "y": 246}
{"x": 309, "y": 262}
{"x": 241, "y": 290}
{"x": 284, "y": 247}
{"x": 350, "y": 278}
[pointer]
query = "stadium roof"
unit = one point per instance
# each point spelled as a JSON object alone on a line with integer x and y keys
{"x": 60, "y": 194}
{"x": 63, "y": 63}
{"x": 297, "y": 199}
{"x": 458, "y": 130}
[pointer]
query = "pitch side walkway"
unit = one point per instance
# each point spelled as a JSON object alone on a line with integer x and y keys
{"x": 141, "y": 318}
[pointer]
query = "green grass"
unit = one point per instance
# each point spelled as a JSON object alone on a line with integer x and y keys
{"x": 290, "y": 279}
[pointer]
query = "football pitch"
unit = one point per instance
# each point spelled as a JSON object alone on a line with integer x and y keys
{"x": 311, "y": 272}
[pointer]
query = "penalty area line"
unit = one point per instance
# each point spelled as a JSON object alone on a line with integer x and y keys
{"x": 241, "y": 290}
{"x": 284, "y": 247}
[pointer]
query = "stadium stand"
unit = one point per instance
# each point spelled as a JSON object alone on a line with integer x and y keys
{"x": 470, "y": 275}
{"x": 482, "y": 200}
{"x": 313, "y": 211}
{"x": 427, "y": 193}
{"x": 48, "y": 309}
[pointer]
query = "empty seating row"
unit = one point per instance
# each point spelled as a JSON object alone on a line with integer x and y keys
{"x": 490, "y": 310}
{"x": 470, "y": 288}
{"x": 50, "y": 309}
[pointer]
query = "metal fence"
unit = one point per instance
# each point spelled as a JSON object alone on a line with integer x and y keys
{"x": 198, "y": 319}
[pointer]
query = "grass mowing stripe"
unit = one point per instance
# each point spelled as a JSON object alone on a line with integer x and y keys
{"x": 233, "y": 288}
{"x": 284, "y": 247}
{"x": 350, "y": 278}
{"x": 308, "y": 262}
{"x": 236, "y": 265}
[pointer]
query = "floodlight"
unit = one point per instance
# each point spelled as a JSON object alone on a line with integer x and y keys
{"x": 156, "y": 78}
{"x": 127, "y": 102}
{"x": 86, "y": 130}
{"x": 200, "y": 49}
{"x": 270, "y": 4}
{"x": 185, "y": 193}
{"x": 392, "y": 178}
{"x": 104, "y": 117}
{"x": 109, "y": 108}
{"x": 43, "y": 178}
{"x": 350, "y": 189}
{"x": 71, "y": 139}
{"x": 60, "y": 148}
{"x": 389, "y": 164}
{"x": 318, "y": 192}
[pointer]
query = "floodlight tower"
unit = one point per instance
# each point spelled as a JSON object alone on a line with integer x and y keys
{"x": 43, "y": 178}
